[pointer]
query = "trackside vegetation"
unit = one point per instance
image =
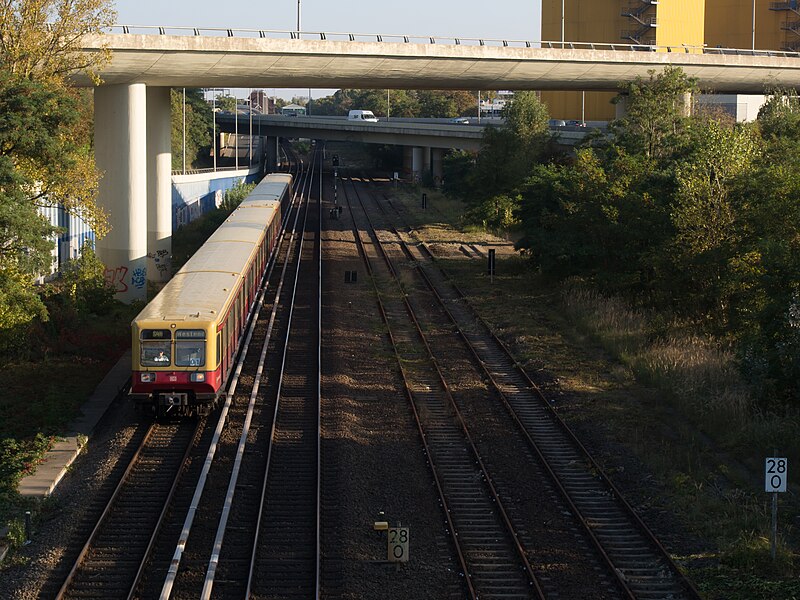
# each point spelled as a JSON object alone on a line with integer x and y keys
{"x": 673, "y": 240}
{"x": 52, "y": 333}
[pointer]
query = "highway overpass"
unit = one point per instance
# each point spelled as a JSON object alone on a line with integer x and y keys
{"x": 257, "y": 58}
{"x": 394, "y": 132}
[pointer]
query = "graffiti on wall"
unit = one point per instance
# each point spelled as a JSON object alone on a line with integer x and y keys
{"x": 161, "y": 260}
{"x": 117, "y": 278}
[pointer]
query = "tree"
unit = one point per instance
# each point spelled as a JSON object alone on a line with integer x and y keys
{"x": 199, "y": 128}
{"x": 508, "y": 153}
{"x": 45, "y": 145}
{"x": 223, "y": 102}
{"x": 41, "y": 39}
{"x": 708, "y": 226}
{"x": 656, "y": 112}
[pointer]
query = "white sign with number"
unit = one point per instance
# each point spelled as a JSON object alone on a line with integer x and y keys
{"x": 775, "y": 474}
{"x": 398, "y": 544}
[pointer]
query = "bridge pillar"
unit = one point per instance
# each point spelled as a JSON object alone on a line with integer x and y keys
{"x": 436, "y": 166}
{"x": 121, "y": 154}
{"x": 417, "y": 164}
{"x": 159, "y": 185}
{"x": 426, "y": 159}
{"x": 408, "y": 157}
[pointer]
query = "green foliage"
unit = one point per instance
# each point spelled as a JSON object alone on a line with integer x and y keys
{"x": 694, "y": 216}
{"x": 656, "y": 114}
{"x": 456, "y": 168}
{"x": 235, "y": 195}
{"x": 41, "y": 39}
{"x": 83, "y": 283}
{"x": 199, "y": 128}
{"x": 490, "y": 183}
{"x": 400, "y": 103}
{"x": 222, "y": 102}
{"x": 17, "y": 459}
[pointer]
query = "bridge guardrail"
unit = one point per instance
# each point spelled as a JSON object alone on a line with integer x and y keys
{"x": 429, "y": 39}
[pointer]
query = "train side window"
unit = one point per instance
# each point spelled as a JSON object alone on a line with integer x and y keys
{"x": 219, "y": 347}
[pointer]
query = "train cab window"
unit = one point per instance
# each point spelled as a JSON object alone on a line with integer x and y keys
{"x": 155, "y": 347}
{"x": 190, "y": 348}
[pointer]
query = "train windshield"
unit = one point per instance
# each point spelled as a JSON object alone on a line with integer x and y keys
{"x": 156, "y": 348}
{"x": 190, "y": 348}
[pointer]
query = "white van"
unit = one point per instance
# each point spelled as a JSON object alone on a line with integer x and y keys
{"x": 362, "y": 115}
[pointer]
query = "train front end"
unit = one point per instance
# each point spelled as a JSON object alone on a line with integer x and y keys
{"x": 175, "y": 367}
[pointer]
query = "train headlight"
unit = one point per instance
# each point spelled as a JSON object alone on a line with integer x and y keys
{"x": 147, "y": 377}
{"x": 197, "y": 377}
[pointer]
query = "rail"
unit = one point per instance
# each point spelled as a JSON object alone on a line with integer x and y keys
{"x": 433, "y": 39}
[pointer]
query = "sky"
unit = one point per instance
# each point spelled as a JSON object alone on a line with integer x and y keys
{"x": 507, "y": 19}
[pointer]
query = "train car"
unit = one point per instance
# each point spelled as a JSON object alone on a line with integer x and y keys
{"x": 185, "y": 340}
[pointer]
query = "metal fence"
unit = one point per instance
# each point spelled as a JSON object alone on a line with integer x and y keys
{"x": 427, "y": 40}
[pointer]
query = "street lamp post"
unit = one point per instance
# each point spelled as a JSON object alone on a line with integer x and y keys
{"x": 298, "y": 18}
{"x": 250, "y": 137}
{"x": 236, "y": 131}
{"x": 184, "y": 131}
{"x": 754, "y": 24}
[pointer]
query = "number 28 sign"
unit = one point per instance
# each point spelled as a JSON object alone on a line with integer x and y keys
{"x": 775, "y": 474}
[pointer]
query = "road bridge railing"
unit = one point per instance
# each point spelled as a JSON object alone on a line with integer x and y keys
{"x": 432, "y": 39}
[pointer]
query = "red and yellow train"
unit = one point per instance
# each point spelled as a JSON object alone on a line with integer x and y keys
{"x": 185, "y": 340}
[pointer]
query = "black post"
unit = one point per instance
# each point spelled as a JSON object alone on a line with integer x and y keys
{"x": 491, "y": 264}
{"x": 424, "y": 200}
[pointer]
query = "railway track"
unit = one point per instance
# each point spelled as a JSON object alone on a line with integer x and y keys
{"x": 494, "y": 563}
{"x": 110, "y": 563}
{"x": 210, "y": 543}
{"x": 285, "y": 558}
{"x": 632, "y": 554}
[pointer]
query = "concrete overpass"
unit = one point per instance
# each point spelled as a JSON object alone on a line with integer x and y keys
{"x": 395, "y": 131}
{"x": 132, "y": 108}
{"x": 258, "y": 58}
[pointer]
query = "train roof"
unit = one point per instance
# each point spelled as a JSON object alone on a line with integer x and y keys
{"x": 198, "y": 296}
{"x": 202, "y": 288}
{"x": 242, "y": 225}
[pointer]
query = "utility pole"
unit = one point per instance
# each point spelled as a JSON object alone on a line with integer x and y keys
{"x": 754, "y": 24}
{"x": 214, "y": 127}
{"x": 298, "y": 19}
{"x": 184, "y": 131}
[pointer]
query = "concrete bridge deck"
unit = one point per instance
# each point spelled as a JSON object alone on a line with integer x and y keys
{"x": 211, "y": 61}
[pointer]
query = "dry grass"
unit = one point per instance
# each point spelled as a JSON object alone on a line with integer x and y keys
{"x": 699, "y": 375}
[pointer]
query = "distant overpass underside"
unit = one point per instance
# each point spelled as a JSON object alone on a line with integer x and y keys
{"x": 436, "y": 135}
{"x": 224, "y": 62}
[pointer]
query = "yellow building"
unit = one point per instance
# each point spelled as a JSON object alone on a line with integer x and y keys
{"x": 732, "y": 24}
{"x": 646, "y": 22}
